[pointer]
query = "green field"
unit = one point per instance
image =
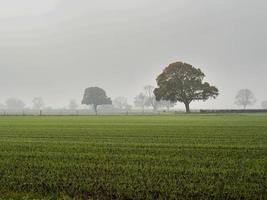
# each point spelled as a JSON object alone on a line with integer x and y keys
{"x": 134, "y": 157}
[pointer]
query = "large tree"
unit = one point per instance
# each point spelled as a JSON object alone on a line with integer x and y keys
{"x": 245, "y": 98}
{"x": 95, "y": 96}
{"x": 184, "y": 83}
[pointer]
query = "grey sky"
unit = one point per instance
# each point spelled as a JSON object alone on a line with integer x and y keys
{"x": 57, "y": 48}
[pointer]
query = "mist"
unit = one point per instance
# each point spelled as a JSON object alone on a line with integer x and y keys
{"x": 54, "y": 49}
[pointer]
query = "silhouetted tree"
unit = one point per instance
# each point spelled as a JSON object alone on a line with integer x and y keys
{"x": 150, "y": 97}
{"x": 73, "y": 105}
{"x": 38, "y": 103}
{"x": 264, "y": 104}
{"x": 245, "y": 98}
{"x": 120, "y": 102}
{"x": 15, "y": 104}
{"x": 95, "y": 96}
{"x": 184, "y": 83}
{"x": 140, "y": 101}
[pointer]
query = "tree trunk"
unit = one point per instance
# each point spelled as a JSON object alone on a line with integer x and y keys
{"x": 95, "y": 108}
{"x": 187, "y": 107}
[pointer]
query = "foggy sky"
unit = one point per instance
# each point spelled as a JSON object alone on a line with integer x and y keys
{"x": 57, "y": 48}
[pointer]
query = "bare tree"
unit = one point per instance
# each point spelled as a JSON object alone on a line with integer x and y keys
{"x": 15, "y": 104}
{"x": 245, "y": 98}
{"x": 264, "y": 104}
{"x": 120, "y": 103}
{"x": 38, "y": 103}
{"x": 73, "y": 105}
{"x": 140, "y": 101}
{"x": 150, "y": 97}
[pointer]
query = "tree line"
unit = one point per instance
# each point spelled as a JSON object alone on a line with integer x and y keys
{"x": 179, "y": 82}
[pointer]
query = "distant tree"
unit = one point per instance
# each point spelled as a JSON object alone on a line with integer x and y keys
{"x": 140, "y": 101}
{"x": 95, "y": 96}
{"x": 150, "y": 97}
{"x": 73, "y": 105}
{"x": 15, "y": 104}
{"x": 38, "y": 103}
{"x": 264, "y": 104}
{"x": 184, "y": 83}
{"x": 120, "y": 102}
{"x": 245, "y": 98}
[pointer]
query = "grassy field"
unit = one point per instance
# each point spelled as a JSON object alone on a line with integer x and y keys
{"x": 134, "y": 157}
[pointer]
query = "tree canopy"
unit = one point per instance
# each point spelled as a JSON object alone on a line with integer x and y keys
{"x": 95, "y": 96}
{"x": 184, "y": 83}
{"x": 245, "y": 98}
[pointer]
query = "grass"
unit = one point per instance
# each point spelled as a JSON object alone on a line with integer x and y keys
{"x": 134, "y": 157}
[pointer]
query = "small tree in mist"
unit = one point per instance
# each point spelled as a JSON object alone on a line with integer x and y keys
{"x": 15, "y": 104}
{"x": 38, "y": 103}
{"x": 95, "y": 96}
{"x": 120, "y": 103}
{"x": 73, "y": 105}
{"x": 245, "y": 98}
{"x": 184, "y": 83}
{"x": 150, "y": 97}
{"x": 264, "y": 104}
{"x": 140, "y": 101}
